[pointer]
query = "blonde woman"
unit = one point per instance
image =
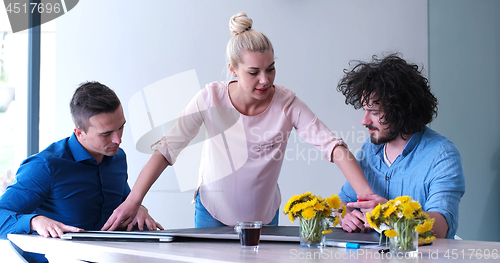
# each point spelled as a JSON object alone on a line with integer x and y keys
{"x": 251, "y": 109}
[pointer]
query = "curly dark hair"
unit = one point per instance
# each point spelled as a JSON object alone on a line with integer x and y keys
{"x": 89, "y": 99}
{"x": 398, "y": 87}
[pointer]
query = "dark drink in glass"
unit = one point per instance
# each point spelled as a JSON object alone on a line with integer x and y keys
{"x": 249, "y": 232}
{"x": 249, "y": 237}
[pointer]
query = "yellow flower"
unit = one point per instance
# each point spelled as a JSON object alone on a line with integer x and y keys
{"x": 426, "y": 239}
{"x": 319, "y": 207}
{"x": 290, "y": 202}
{"x": 389, "y": 211}
{"x": 291, "y": 217}
{"x": 328, "y": 231}
{"x": 306, "y": 194}
{"x": 344, "y": 210}
{"x": 408, "y": 210}
{"x": 402, "y": 199}
{"x": 327, "y": 212}
{"x": 404, "y": 211}
{"x": 336, "y": 222}
{"x": 311, "y": 203}
{"x": 430, "y": 239}
{"x": 334, "y": 201}
{"x": 390, "y": 233}
{"x": 308, "y": 206}
{"x": 298, "y": 207}
{"x": 309, "y": 196}
{"x": 308, "y": 213}
{"x": 415, "y": 205}
{"x": 426, "y": 226}
{"x": 376, "y": 212}
{"x": 369, "y": 220}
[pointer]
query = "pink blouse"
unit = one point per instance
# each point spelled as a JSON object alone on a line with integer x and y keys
{"x": 242, "y": 155}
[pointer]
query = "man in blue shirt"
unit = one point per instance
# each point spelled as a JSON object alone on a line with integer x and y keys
{"x": 77, "y": 182}
{"x": 402, "y": 156}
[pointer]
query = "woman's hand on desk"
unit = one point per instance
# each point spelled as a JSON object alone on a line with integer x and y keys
{"x": 143, "y": 218}
{"x": 366, "y": 203}
{"x": 122, "y": 216}
{"x": 47, "y": 227}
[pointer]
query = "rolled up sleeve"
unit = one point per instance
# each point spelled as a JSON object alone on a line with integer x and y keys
{"x": 446, "y": 189}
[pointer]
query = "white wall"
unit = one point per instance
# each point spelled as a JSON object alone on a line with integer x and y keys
{"x": 129, "y": 45}
{"x": 464, "y": 61}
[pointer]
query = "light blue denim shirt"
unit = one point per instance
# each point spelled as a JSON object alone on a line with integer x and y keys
{"x": 429, "y": 170}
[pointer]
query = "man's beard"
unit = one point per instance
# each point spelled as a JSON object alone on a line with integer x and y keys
{"x": 386, "y": 137}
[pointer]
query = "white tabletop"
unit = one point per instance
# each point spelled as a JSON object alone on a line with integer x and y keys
{"x": 205, "y": 250}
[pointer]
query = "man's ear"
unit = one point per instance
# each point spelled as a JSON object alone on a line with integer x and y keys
{"x": 78, "y": 132}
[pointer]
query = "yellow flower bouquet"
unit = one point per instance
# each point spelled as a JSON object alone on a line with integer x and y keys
{"x": 315, "y": 214}
{"x": 404, "y": 216}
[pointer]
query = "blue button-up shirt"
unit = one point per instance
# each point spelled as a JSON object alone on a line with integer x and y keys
{"x": 64, "y": 183}
{"x": 429, "y": 170}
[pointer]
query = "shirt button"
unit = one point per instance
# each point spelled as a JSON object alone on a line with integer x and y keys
{"x": 387, "y": 178}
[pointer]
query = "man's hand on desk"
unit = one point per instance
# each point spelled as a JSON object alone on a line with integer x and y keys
{"x": 354, "y": 221}
{"x": 143, "y": 218}
{"x": 47, "y": 227}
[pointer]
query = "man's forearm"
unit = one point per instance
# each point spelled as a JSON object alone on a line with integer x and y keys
{"x": 440, "y": 227}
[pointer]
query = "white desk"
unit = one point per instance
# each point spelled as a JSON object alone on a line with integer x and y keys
{"x": 201, "y": 250}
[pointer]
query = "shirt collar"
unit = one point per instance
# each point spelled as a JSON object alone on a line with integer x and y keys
{"x": 414, "y": 140}
{"x": 79, "y": 153}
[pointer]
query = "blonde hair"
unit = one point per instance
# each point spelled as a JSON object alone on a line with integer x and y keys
{"x": 245, "y": 38}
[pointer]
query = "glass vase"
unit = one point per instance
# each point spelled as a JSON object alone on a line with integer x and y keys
{"x": 405, "y": 244}
{"x": 311, "y": 232}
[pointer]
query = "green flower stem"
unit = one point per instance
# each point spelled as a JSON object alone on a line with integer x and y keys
{"x": 311, "y": 230}
{"x": 405, "y": 230}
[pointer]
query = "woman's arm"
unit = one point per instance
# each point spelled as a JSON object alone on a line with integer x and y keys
{"x": 351, "y": 170}
{"x": 315, "y": 132}
{"x": 165, "y": 153}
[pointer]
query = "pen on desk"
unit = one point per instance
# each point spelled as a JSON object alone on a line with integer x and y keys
{"x": 342, "y": 244}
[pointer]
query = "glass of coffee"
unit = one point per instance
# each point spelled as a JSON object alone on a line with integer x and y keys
{"x": 249, "y": 232}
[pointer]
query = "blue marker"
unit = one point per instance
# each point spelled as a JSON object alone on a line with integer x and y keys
{"x": 342, "y": 244}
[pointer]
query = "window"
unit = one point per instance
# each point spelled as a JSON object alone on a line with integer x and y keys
{"x": 13, "y": 93}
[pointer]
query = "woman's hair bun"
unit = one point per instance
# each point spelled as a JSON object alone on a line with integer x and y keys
{"x": 244, "y": 38}
{"x": 240, "y": 23}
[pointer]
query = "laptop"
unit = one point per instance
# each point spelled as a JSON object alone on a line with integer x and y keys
{"x": 135, "y": 236}
{"x": 268, "y": 233}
